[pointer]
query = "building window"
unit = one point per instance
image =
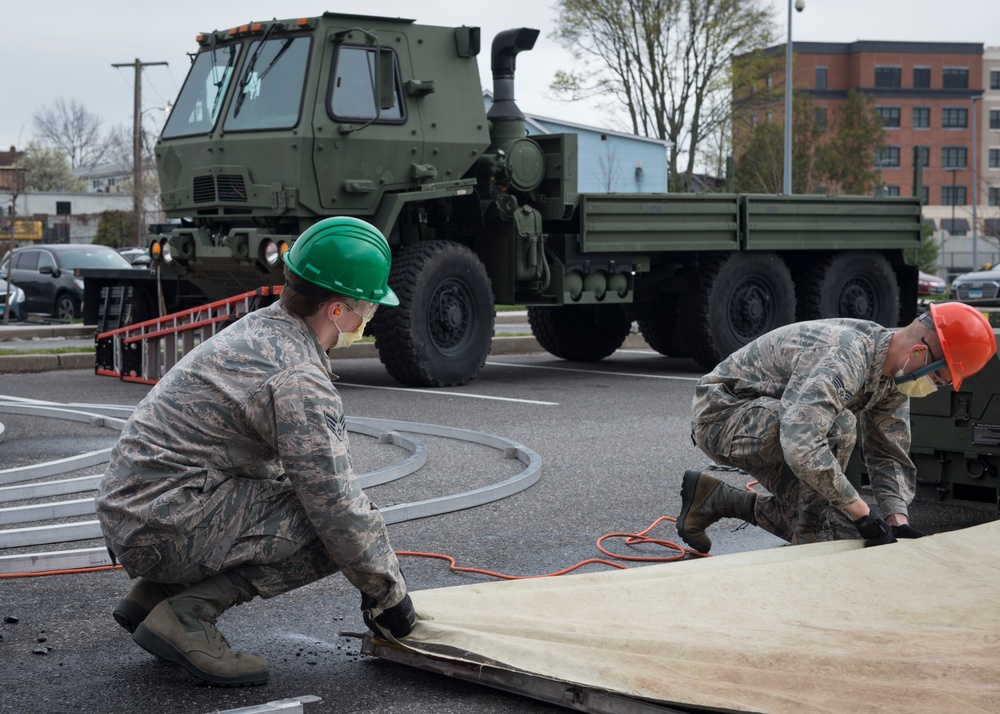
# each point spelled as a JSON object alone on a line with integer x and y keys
{"x": 821, "y": 119}
{"x": 821, "y": 78}
{"x": 994, "y": 79}
{"x": 64, "y": 208}
{"x": 953, "y": 195}
{"x": 953, "y": 157}
{"x": 955, "y": 78}
{"x": 925, "y": 195}
{"x": 921, "y": 77}
{"x": 993, "y": 196}
{"x": 887, "y": 77}
{"x": 921, "y": 117}
{"x": 954, "y": 118}
{"x": 925, "y": 156}
{"x": 887, "y": 156}
{"x": 890, "y": 116}
{"x": 994, "y": 118}
{"x": 892, "y": 190}
{"x": 995, "y": 158}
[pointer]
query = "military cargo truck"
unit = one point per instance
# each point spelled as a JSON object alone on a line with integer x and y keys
{"x": 285, "y": 122}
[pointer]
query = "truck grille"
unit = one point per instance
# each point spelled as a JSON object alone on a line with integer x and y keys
{"x": 204, "y": 189}
{"x": 231, "y": 188}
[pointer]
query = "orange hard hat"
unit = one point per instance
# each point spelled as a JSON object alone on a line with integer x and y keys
{"x": 966, "y": 338}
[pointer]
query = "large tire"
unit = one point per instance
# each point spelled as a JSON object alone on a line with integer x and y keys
{"x": 857, "y": 285}
{"x": 582, "y": 333}
{"x": 740, "y": 297}
{"x": 661, "y": 329}
{"x": 441, "y": 333}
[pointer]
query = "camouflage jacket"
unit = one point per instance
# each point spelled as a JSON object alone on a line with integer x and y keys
{"x": 817, "y": 370}
{"x": 255, "y": 401}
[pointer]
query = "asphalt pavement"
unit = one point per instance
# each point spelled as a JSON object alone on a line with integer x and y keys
{"x": 614, "y": 441}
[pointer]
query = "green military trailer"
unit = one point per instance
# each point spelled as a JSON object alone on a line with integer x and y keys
{"x": 285, "y": 122}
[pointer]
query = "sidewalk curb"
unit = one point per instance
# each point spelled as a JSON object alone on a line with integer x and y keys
{"x": 11, "y": 364}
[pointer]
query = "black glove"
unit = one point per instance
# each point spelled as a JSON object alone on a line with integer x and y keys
{"x": 874, "y": 530}
{"x": 906, "y": 531}
{"x": 398, "y": 619}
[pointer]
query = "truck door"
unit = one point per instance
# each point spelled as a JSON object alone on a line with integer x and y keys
{"x": 361, "y": 151}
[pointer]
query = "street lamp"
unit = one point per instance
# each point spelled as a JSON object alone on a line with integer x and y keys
{"x": 951, "y": 229}
{"x": 975, "y": 189}
{"x": 799, "y": 7}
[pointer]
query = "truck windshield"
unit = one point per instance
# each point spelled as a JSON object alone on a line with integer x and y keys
{"x": 202, "y": 96}
{"x": 269, "y": 93}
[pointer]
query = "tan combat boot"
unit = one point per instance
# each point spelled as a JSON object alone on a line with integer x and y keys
{"x": 141, "y": 598}
{"x": 182, "y": 629}
{"x": 704, "y": 500}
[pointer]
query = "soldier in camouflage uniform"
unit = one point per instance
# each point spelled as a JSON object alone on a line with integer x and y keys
{"x": 786, "y": 409}
{"x": 233, "y": 477}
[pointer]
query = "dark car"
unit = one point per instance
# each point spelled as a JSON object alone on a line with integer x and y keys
{"x": 17, "y": 311}
{"x": 48, "y": 274}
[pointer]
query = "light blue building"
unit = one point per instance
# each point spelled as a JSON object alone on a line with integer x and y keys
{"x": 608, "y": 161}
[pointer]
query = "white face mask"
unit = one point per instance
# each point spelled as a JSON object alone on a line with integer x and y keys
{"x": 914, "y": 387}
{"x": 346, "y": 339}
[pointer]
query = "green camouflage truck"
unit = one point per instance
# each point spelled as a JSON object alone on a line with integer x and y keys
{"x": 284, "y": 122}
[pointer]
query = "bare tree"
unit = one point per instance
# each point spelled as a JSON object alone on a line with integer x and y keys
{"x": 70, "y": 127}
{"x": 120, "y": 152}
{"x": 664, "y": 60}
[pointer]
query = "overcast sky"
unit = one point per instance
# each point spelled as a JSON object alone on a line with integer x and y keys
{"x": 64, "y": 49}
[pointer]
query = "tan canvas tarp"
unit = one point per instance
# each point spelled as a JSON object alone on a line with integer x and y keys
{"x": 831, "y": 627}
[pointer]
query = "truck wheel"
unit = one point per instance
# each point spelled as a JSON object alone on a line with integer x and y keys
{"x": 661, "y": 329}
{"x": 582, "y": 333}
{"x": 441, "y": 333}
{"x": 740, "y": 297}
{"x": 858, "y": 285}
{"x": 65, "y": 307}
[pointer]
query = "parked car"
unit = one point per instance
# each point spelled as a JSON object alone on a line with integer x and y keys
{"x": 17, "y": 311}
{"x": 48, "y": 274}
{"x": 928, "y": 284}
{"x": 980, "y": 287}
{"x": 138, "y": 257}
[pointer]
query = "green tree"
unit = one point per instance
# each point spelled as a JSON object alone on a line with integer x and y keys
{"x": 846, "y": 162}
{"x": 760, "y": 166}
{"x": 115, "y": 228}
{"x": 48, "y": 169}
{"x": 666, "y": 61}
{"x": 926, "y": 256}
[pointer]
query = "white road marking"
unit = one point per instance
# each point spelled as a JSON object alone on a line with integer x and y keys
{"x": 593, "y": 371}
{"x": 438, "y": 392}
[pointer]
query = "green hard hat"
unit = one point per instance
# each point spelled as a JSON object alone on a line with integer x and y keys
{"x": 347, "y": 256}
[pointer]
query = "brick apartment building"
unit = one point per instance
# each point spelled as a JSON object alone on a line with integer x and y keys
{"x": 931, "y": 95}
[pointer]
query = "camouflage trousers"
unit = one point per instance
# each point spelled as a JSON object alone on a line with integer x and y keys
{"x": 257, "y": 528}
{"x": 795, "y": 511}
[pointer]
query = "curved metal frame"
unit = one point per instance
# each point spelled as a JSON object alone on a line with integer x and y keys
{"x": 109, "y": 416}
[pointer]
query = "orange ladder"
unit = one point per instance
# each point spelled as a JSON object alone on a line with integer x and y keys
{"x": 143, "y": 352}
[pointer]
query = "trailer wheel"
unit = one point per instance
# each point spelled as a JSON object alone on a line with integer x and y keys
{"x": 661, "y": 329}
{"x": 857, "y": 285}
{"x": 440, "y": 334}
{"x": 582, "y": 333}
{"x": 740, "y": 297}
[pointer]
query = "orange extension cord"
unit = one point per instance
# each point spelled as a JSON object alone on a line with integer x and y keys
{"x": 631, "y": 539}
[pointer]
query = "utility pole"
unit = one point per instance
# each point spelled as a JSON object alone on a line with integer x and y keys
{"x": 138, "y": 202}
